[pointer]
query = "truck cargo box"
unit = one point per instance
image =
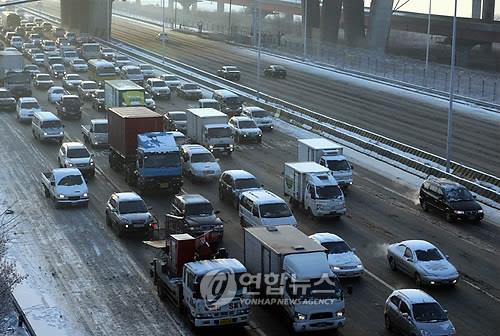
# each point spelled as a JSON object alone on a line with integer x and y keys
{"x": 314, "y": 149}
{"x": 198, "y": 118}
{"x": 122, "y": 93}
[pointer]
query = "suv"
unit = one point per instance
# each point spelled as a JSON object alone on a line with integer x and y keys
{"x": 7, "y": 100}
{"x": 229, "y": 102}
{"x": 261, "y": 117}
{"x": 263, "y": 208}
{"x": 127, "y": 212}
{"x": 245, "y": 130}
{"x": 157, "y": 88}
{"x": 451, "y": 198}
{"x": 86, "y": 89}
{"x": 69, "y": 106}
{"x": 189, "y": 91}
{"x": 199, "y": 163}
{"x": 414, "y": 312}
{"x": 26, "y": 107}
{"x": 46, "y": 126}
{"x": 276, "y": 71}
{"x": 234, "y": 182}
{"x": 229, "y": 72}
{"x": 76, "y": 155}
{"x": 132, "y": 73}
{"x": 43, "y": 81}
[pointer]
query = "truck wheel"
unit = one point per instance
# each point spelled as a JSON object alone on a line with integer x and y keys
{"x": 161, "y": 292}
{"x": 46, "y": 191}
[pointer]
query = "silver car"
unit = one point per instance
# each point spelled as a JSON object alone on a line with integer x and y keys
{"x": 423, "y": 261}
{"x": 414, "y": 312}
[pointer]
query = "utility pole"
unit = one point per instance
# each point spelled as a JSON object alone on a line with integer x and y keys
{"x": 449, "y": 136}
{"x": 305, "y": 29}
{"x": 428, "y": 39}
{"x": 259, "y": 18}
{"x": 229, "y": 23}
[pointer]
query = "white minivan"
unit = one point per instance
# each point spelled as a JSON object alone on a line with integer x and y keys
{"x": 46, "y": 126}
{"x": 26, "y": 107}
{"x": 263, "y": 208}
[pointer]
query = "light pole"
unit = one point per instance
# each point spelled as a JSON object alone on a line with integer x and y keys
{"x": 229, "y": 23}
{"x": 449, "y": 136}
{"x": 163, "y": 29}
{"x": 428, "y": 39}
{"x": 259, "y": 18}
{"x": 305, "y": 29}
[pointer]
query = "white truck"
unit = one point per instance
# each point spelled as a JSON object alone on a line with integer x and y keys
{"x": 96, "y": 133}
{"x": 65, "y": 186}
{"x": 313, "y": 187}
{"x": 208, "y": 127}
{"x": 307, "y": 289}
{"x": 329, "y": 154}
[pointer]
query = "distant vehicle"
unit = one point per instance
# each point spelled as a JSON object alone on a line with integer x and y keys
{"x": 26, "y": 107}
{"x": 70, "y": 55}
{"x": 71, "y": 81}
{"x": 162, "y": 37}
{"x": 38, "y": 21}
{"x": 90, "y": 51}
{"x": 55, "y": 93}
{"x": 96, "y": 134}
{"x": 38, "y": 58}
{"x": 245, "y": 130}
{"x": 32, "y": 68}
{"x": 43, "y": 81}
{"x": 100, "y": 71}
{"x": 98, "y": 100}
{"x": 70, "y": 36}
{"x": 189, "y": 91}
{"x": 199, "y": 163}
{"x": 149, "y": 101}
{"x": 175, "y": 121}
{"x": 46, "y": 26}
{"x": 172, "y": 80}
{"x": 62, "y": 41}
{"x": 342, "y": 258}
{"x": 107, "y": 53}
{"x": 234, "y": 182}
{"x": 76, "y": 155}
{"x": 147, "y": 70}
{"x": 261, "y": 117}
{"x": 7, "y": 100}
{"x": 16, "y": 42}
{"x": 123, "y": 93}
{"x": 48, "y": 45}
{"x": 35, "y": 38}
{"x": 52, "y": 57}
{"x": 263, "y": 208}
{"x": 46, "y": 126}
{"x": 158, "y": 88}
{"x": 228, "y": 102}
{"x": 422, "y": 261}
{"x": 69, "y": 106}
{"x": 180, "y": 138}
{"x": 414, "y": 312}
{"x": 132, "y": 73}
{"x": 450, "y": 198}
{"x": 65, "y": 186}
{"x": 86, "y": 88}
{"x": 208, "y": 127}
{"x": 57, "y": 71}
{"x": 229, "y": 72}
{"x": 127, "y": 212}
{"x": 275, "y": 71}
{"x": 121, "y": 60}
{"x": 208, "y": 103}
{"x": 78, "y": 65}
{"x": 26, "y": 47}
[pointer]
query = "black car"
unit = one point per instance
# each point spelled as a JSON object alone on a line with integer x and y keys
{"x": 451, "y": 198}
{"x": 275, "y": 71}
{"x": 233, "y": 182}
{"x": 97, "y": 99}
{"x": 229, "y": 72}
{"x": 7, "y": 100}
{"x": 69, "y": 106}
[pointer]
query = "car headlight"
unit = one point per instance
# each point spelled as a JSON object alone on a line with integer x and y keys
{"x": 92, "y": 162}
{"x": 85, "y": 195}
{"x": 70, "y": 164}
{"x": 340, "y": 313}
{"x": 211, "y": 147}
{"x": 335, "y": 268}
{"x": 424, "y": 332}
{"x": 45, "y": 133}
{"x": 359, "y": 266}
{"x": 61, "y": 133}
{"x": 260, "y": 134}
{"x": 480, "y": 211}
{"x": 61, "y": 196}
{"x": 244, "y": 135}
{"x": 459, "y": 212}
{"x": 300, "y": 316}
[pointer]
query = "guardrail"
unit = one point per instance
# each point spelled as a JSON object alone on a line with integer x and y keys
{"x": 412, "y": 157}
{"x": 22, "y": 319}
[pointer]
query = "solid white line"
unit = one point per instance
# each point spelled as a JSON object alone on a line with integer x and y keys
{"x": 482, "y": 290}
{"x": 379, "y": 280}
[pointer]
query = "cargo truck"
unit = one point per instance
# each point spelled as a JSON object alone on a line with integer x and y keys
{"x": 90, "y": 51}
{"x": 149, "y": 158}
{"x": 307, "y": 290}
{"x": 313, "y": 188}
{"x": 329, "y": 154}
{"x": 208, "y": 127}
{"x": 189, "y": 283}
{"x": 122, "y": 93}
{"x": 10, "y": 60}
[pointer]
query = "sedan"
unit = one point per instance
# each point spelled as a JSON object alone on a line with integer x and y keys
{"x": 189, "y": 91}
{"x": 43, "y": 81}
{"x": 245, "y": 129}
{"x": 57, "y": 70}
{"x": 32, "y": 68}
{"x": 71, "y": 81}
{"x": 86, "y": 88}
{"x": 422, "y": 261}
{"x": 275, "y": 71}
{"x": 55, "y": 93}
{"x": 199, "y": 163}
{"x": 147, "y": 70}
{"x": 78, "y": 65}
{"x": 229, "y": 72}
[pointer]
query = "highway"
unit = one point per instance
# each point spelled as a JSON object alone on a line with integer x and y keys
{"x": 105, "y": 279}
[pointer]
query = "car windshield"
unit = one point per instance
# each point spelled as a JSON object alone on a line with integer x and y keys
{"x": 100, "y": 94}
{"x": 162, "y": 160}
{"x": 336, "y": 247}
{"x": 169, "y": 78}
{"x": 457, "y": 194}
{"x": 134, "y": 71}
{"x": 51, "y": 124}
{"x": 328, "y": 192}
{"x": 190, "y": 87}
{"x": 197, "y": 209}
{"x": 260, "y": 114}
{"x": 219, "y": 132}
{"x": 43, "y": 77}
{"x": 159, "y": 83}
{"x": 274, "y": 210}
{"x": 177, "y": 116}
{"x": 247, "y": 183}
{"x": 232, "y": 100}
{"x": 49, "y": 43}
{"x": 70, "y": 54}
{"x": 202, "y": 157}
{"x": 428, "y": 312}
{"x": 89, "y": 86}
{"x": 231, "y": 68}
{"x": 146, "y": 67}
{"x": 101, "y": 128}
{"x": 319, "y": 288}
{"x": 106, "y": 50}
{"x": 133, "y": 207}
{"x": 247, "y": 124}
{"x": 30, "y": 67}
{"x": 58, "y": 91}
{"x": 73, "y": 77}
{"x": 30, "y": 105}
{"x": 5, "y": 94}
{"x": 338, "y": 165}
{"x": 71, "y": 180}
{"x": 78, "y": 61}
{"x": 57, "y": 67}
{"x": 71, "y": 101}
{"x": 278, "y": 67}
{"x": 428, "y": 255}
{"x": 39, "y": 56}
{"x": 78, "y": 153}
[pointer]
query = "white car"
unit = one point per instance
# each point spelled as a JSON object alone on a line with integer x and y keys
{"x": 158, "y": 88}
{"x": 16, "y": 42}
{"x": 342, "y": 258}
{"x": 149, "y": 101}
{"x": 147, "y": 70}
{"x": 199, "y": 163}
{"x": 121, "y": 60}
{"x": 55, "y": 93}
{"x": 71, "y": 81}
{"x": 43, "y": 81}
{"x": 38, "y": 58}
{"x": 78, "y": 65}
{"x": 172, "y": 80}
{"x": 422, "y": 261}
{"x": 26, "y": 107}
{"x": 261, "y": 117}
{"x": 76, "y": 155}
{"x": 33, "y": 69}
{"x": 245, "y": 130}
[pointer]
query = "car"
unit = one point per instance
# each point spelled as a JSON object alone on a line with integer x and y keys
{"x": 35, "y": 38}
{"x": 172, "y": 80}
{"x": 38, "y": 58}
{"x": 46, "y": 26}
{"x": 175, "y": 121}
{"x": 46, "y": 126}
{"x": 7, "y": 100}
{"x": 162, "y": 37}
{"x": 158, "y": 88}
{"x": 26, "y": 107}
{"x": 57, "y": 71}
{"x": 229, "y": 102}
{"x": 78, "y": 65}
{"x": 275, "y": 71}
{"x": 68, "y": 55}
{"x": 342, "y": 258}
{"x": 55, "y": 93}
{"x": 132, "y": 73}
{"x": 43, "y": 81}
{"x": 261, "y": 117}
{"x": 451, "y": 198}
{"x": 70, "y": 36}
{"x": 149, "y": 101}
{"x": 234, "y": 182}
{"x": 422, "y": 261}
{"x": 189, "y": 91}
{"x": 147, "y": 70}
{"x": 86, "y": 88}
{"x": 16, "y": 42}
{"x": 229, "y": 72}
{"x": 107, "y": 53}
{"x": 76, "y": 155}
{"x": 48, "y": 45}
{"x": 69, "y": 106}
{"x": 264, "y": 208}
{"x": 245, "y": 130}
{"x": 414, "y": 312}
{"x": 121, "y": 60}
{"x": 26, "y": 47}
{"x": 38, "y": 21}
{"x": 32, "y": 68}
{"x": 127, "y": 212}
{"x": 62, "y": 41}
{"x": 98, "y": 100}
{"x": 199, "y": 163}
{"x": 71, "y": 81}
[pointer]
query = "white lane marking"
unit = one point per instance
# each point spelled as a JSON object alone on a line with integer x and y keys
{"x": 379, "y": 280}
{"x": 476, "y": 287}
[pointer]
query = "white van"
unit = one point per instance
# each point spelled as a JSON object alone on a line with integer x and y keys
{"x": 263, "y": 208}
{"x": 26, "y": 107}
{"x": 46, "y": 126}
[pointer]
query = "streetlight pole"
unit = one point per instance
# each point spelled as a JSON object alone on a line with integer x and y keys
{"x": 229, "y": 23}
{"x": 449, "y": 136}
{"x": 175, "y": 14}
{"x": 163, "y": 29}
{"x": 305, "y": 29}
{"x": 428, "y": 39}
{"x": 259, "y": 18}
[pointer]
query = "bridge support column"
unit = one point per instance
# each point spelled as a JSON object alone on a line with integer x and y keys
{"x": 313, "y": 17}
{"x": 354, "y": 22}
{"x": 330, "y": 21}
{"x": 476, "y": 9}
{"x": 488, "y": 16}
{"x": 91, "y": 16}
{"x": 379, "y": 24}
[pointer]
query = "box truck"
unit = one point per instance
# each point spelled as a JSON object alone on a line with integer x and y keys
{"x": 122, "y": 93}
{"x": 208, "y": 127}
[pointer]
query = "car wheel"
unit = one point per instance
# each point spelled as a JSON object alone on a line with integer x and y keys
{"x": 418, "y": 279}
{"x": 449, "y": 217}
{"x": 392, "y": 265}
{"x": 388, "y": 323}
{"x": 236, "y": 203}
{"x": 108, "y": 220}
{"x": 46, "y": 192}
{"x": 242, "y": 222}
{"x": 221, "y": 194}
{"x": 424, "y": 206}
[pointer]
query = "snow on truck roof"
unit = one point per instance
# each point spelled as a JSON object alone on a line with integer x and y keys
{"x": 308, "y": 167}
{"x": 207, "y": 112}
{"x": 157, "y": 142}
{"x": 307, "y": 265}
{"x": 135, "y": 112}
{"x": 124, "y": 84}
{"x": 204, "y": 266}
{"x": 320, "y": 143}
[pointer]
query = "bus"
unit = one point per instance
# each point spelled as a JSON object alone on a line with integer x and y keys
{"x": 101, "y": 70}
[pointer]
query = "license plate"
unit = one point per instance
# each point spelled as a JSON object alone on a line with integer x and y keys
{"x": 225, "y": 321}
{"x": 163, "y": 185}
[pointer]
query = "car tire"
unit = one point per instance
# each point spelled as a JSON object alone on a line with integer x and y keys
{"x": 392, "y": 264}
{"x": 242, "y": 222}
{"x": 418, "y": 279}
{"x": 424, "y": 205}
{"x": 388, "y": 323}
{"x": 221, "y": 194}
{"x": 46, "y": 192}
{"x": 108, "y": 220}
{"x": 236, "y": 203}
{"x": 449, "y": 217}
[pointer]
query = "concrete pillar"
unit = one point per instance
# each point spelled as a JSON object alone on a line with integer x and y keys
{"x": 330, "y": 21}
{"x": 488, "y": 16}
{"x": 476, "y": 9}
{"x": 220, "y": 6}
{"x": 354, "y": 22}
{"x": 379, "y": 24}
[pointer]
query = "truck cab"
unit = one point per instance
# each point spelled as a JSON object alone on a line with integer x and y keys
{"x": 96, "y": 133}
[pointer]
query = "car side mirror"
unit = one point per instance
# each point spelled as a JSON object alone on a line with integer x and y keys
{"x": 217, "y": 212}
{"x": 52, "y": 183}
{"x": 353, "y": 249}
{"x": 150, "y": 208}
{"x": 447, "y": 257}
{"x": 409, "y": 259}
